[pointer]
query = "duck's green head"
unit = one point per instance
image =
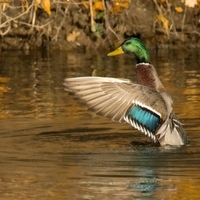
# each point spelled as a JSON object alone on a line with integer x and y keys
{"x": 134, "y": 47}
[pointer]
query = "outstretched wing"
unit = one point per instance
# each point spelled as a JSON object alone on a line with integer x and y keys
{"x": 121, "y": 100}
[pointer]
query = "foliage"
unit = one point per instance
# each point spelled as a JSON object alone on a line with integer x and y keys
{"x": 14, "y": 14}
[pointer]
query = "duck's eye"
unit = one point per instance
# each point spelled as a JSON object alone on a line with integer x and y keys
{"x": 127, "y": 43}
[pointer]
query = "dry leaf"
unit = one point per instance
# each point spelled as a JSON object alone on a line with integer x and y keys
{"x": 164, "y": 21}
{"x": 37, "y": 2}
{"x": 98, "y": 5}
{"x": 72, "y": 37}
{"x": 46, "y": 5}
{"x": 119, "y": 5}
{"x": 179, "y": 9}
{"x": 190, "y": 3}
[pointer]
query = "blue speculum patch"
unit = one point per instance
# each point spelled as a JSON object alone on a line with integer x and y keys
{"x": 145, "y": 117}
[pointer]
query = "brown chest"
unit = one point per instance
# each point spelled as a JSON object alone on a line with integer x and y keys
{"x": 145, "y": 75}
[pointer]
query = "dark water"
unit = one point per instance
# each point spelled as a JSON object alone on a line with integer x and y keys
{"x": 51, "y": 147}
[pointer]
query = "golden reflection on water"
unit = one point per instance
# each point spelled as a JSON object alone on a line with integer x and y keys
{"x": 53, "y": 148}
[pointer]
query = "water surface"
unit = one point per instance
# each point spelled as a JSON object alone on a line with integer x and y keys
{"x": 53, "y": 148}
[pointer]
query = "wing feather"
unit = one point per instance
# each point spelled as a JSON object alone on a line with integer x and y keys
{"x": 112, "y": 97}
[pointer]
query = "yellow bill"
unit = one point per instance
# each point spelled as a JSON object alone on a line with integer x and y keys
{"x": 116, "y": 52}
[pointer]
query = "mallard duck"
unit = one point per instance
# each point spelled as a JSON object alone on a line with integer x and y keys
{"x": 145, "y": 105}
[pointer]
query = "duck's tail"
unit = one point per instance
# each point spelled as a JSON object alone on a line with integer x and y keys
{"x": 172, "y": 132}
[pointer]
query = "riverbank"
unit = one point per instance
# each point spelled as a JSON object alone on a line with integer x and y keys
{"x": 68, "y": 25}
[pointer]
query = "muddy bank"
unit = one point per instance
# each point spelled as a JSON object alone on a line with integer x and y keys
{"x": 86, "y": 25}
